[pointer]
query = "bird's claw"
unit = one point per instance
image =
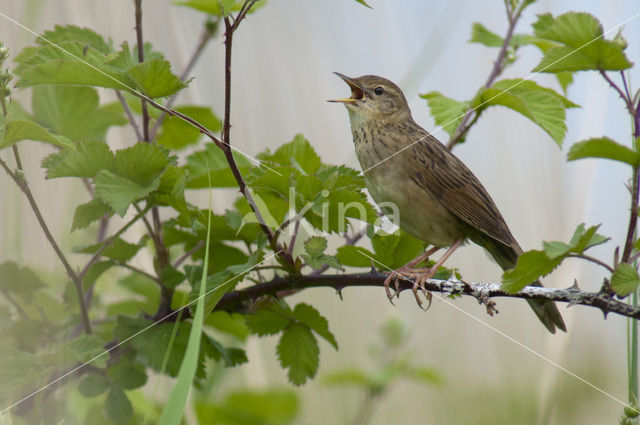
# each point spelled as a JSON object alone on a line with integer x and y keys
{"x": 419, "y": 278}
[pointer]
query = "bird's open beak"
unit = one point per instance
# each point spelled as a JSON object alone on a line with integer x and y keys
{"x": 356, "y": 91}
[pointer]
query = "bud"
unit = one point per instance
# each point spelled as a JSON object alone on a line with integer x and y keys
{"x": 620, "y": 40}
{"x": 631, "y": 411}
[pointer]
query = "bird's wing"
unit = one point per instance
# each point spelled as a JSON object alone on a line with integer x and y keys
{"x": 444, "y": 176}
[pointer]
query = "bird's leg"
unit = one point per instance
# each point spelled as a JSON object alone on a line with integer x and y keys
{"x": 408, "y": 269}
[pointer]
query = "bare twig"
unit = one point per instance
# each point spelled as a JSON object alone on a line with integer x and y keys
{"x": 137, "y": 270}
{"x": 140, "y": 42}
{"x": 593, "y": 260}
{"x": 188, "y": 254}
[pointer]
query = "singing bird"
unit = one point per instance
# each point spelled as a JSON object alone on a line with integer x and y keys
{"x": 439, "y": 199}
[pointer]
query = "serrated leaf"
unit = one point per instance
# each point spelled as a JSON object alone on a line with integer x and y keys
{"x": 298, "y": 352}
{"x": 315, "y": 246}
{"x": 298, "y": 153}
{"x": 267, "y": 322}
{"x": 603, "y": 147}
{"x": 87, "y": 213}
{"x": 625, "y": 279}
{"x": 228, "y": 323}
{"x": 480, "y": 34}
{"x": 171, "y": 277}
{"x": 253, "y": 407}
{"x": 584, "y": 239}
{"x": 583, "y": 46}
{"x": 93, "y": 384}
{"x": 72, "y": 32}
{"x": 118, "y": 249}
{"x": 86, "y": 161}
{"x": 309, "y": 316}
{"x": 154, "y": 78}
{"x": 74, "y": 112}
{"x": 176, "y": 133}
{"x": 18, "y": 130}
{"x": 20, "y": 371}
{"x": 117, "y": 406}
{"x": 530, "y": 266}
{"x": 395, "y": 250}
{"x": 446, "y": 112}
{"x": 87, "y": 349}
{"x": 119, "y": 192}
{"x": 555, "y": 249}
{"x": 142, "y": 162}
{"x": 543, "y": 106}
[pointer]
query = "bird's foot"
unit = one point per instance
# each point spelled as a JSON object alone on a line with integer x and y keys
{"x": 419, "y": 277}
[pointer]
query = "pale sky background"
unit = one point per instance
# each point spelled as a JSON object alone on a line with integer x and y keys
{"x": 284, "y": 56}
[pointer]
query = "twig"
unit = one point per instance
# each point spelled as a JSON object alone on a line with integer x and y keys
{"x": 77, "y": 280}
{"x": 140, "y": 42}
{"x": 627, "y": 100}
{"x": 108, "y": 242}
{"x": 593, "y": 260}
{"x": 205, "y": 37}
{"x": 498, "y": 67}
{"x": 137, "y": 270}
{"x": 129, "y": 114}
{"x": 188, "y": 254}
{"x": 237, "y": 300}
{"x": 350, "y": 240}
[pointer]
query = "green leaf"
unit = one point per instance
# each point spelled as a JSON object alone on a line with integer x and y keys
{"x": 171, "y": 277}
{"x": 364, "y": 3}
{"x": 298, "y": 351}
{"x": 119, "y": 192}
{"x": 350, "y": 376}
{"x": 298, "y": 153}
{"x": 20, "y": 372}
{"x": 74, "y": 112}
{"x": 315, "y": 246}
{"x": 309, "y": 316}
{"x": 154, "y": 78}
{"x": 18, "y": 130}
{"x": 315, "y": 257}
{"x": 426, "y": 375}
{"x": 142, "y": 163}
{"x": 583, "y": 46}
{"x": 19, "y": 279}
{"x": 603, "y": 147}
{"x": 174, "y": 408}
{"x": 117, "y": 406}
{"x": 89, "y": 212}
{"x": 229, "y": 323}
{"x": 87, "y": 349}
{"x": 480, "y": 34}
{"x": 93, "y": 384}
{"x": 71, "y": 32}
{"x": 541, "y": 105}
{"x": 625, "y": 279}
{"x": 584, "y": 239}
{"x": 86, "y": 161}
{"x": 267, "y": 322}
{"x": 119, "y": 249}
{"x": 446, "y": 112}
{"x": 530, "y": 266}
{"x": 176, "y": 133}
{"x": 395, "y": 250}
{"x": 555, "y": 249}
{"x": 127, "y": 375}
{"x": 354, "y": 256}
{"x": 216, "y": 7}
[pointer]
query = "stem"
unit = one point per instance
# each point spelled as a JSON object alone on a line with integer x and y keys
{"x": 77, "y": 281}
{"x": 633, "y": 353}
{"x": 188, "y": 254}
{"x": 129, "y": 114}
{"x": 137, "y": 270}
{"x": 145, "y": 113}
{"x": 498, "y": 67}
{"x": 633, "y": 216}
{"x": 593, "y": 260}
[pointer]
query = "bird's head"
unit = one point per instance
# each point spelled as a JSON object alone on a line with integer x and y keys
{"x": 374, "y": 98}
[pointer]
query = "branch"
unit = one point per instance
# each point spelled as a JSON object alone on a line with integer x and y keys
{"x": 139, "y": 39}
{"x": 188, "y": 254}
{"x": 129, "y": 114}
{"x": 498, "y": 67}
{"x": 237, "y": 300}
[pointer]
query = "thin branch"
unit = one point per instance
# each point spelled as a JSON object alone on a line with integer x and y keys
{"x": 108, "y": 243}
{"x": 129, "y": 114}
{"x": 205, "y": 37}
{"x": 77, "y": 280}
{"x": 627, "y": 101}
{"x": 188, "y": 254}
{"x": 137, "y": 270}
{"x": 238, "y": 300}
{"x": 140, "y": 42}
{"x": 498, "y": 67}
{"x": 593, "y": 260}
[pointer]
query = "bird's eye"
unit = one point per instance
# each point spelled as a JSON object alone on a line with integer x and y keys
{"x": 379, "y": 91}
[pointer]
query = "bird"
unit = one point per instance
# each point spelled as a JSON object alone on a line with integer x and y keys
{"x": 438, "y": 199}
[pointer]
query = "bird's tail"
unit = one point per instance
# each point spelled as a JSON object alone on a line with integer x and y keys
{"x": 506, "y": 257}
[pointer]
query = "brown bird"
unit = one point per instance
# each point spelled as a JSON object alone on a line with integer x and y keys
{"x": 439, "y": 199}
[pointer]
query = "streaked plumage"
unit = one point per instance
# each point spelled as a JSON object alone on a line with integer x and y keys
{"x": 439, "y": 199}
